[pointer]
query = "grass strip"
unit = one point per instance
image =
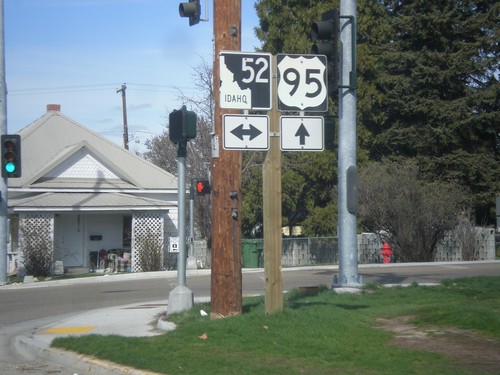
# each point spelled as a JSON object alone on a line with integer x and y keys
{"x": 323, "y": 333}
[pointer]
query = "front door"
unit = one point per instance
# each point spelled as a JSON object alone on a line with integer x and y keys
{"x": 69, "y": 239}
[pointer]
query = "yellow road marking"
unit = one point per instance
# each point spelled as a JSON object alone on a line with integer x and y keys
{"x": 67, "y": 330}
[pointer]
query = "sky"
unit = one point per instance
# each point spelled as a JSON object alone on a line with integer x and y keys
{"x": 78, "y": 53}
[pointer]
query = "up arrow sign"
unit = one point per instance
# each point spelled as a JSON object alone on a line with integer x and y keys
{"x": 245, "y": 132}
{"x": 302, "y": 133}
{"x": 239, "y": 131}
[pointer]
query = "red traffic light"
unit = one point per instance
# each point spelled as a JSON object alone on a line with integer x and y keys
{"x": 202, "y": 187}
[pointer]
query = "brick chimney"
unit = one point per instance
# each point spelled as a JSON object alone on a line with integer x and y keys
{"x": 53, "y": 108}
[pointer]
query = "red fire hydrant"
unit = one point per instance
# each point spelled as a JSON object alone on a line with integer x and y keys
{"x": 386, "y": 252}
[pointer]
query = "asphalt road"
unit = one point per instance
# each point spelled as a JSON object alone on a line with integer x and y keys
{"x": 40, "y": 301}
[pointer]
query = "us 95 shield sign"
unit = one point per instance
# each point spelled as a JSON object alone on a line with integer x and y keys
{"x": 245, "y": 80}
{"x": 302, "y": 83}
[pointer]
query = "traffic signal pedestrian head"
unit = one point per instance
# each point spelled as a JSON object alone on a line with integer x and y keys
{"x": 181, "y": 125}
{"x": 191, "y": 10}
{"x": 11, "y": 155}
{"x": 325, "y": 34}
{"x": 202, "y": 187}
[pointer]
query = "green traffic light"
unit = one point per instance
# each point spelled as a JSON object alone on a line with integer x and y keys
{"x": 10, "y": 167}
{"x": 11, "y": 155}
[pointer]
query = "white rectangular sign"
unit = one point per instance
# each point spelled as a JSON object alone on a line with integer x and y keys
{"x": 302, "y": 133}
{"x": 246, "y": 132}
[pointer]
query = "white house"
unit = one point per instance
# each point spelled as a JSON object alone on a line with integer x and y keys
{"x": 82, "y": 193}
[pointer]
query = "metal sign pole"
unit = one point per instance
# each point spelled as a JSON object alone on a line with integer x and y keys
{"x": 181, "y": 298}
{"x": 3, "y": 130}
{"x": 347, "y": 220}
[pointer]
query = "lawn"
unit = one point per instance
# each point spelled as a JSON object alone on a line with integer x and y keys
{"x": 320, "y": 333}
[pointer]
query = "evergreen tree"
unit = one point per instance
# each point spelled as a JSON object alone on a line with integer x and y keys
{"x": 439, "y": 93}
{"x": 427, "y": 89}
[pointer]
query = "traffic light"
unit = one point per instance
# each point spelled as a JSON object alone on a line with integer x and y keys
{"x": 181, "y": 125}
{"x": 11, "y": 155}
{"x": 202, "y": 187}
{"x": 325, "y": 34}
{"x": 191, "y": 10}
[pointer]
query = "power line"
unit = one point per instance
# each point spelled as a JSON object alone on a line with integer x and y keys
{"x": 97, "y": 87}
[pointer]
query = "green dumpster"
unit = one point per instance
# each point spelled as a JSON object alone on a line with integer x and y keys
{"x": 251, "y": 253}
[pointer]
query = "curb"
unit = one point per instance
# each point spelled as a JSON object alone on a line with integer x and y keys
{"x": 87, "y": 365}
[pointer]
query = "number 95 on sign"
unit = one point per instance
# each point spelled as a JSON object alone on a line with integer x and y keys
{"x": 302, "y": 83}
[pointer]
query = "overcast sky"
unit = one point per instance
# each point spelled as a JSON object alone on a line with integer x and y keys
{"x": 77, "y": 53}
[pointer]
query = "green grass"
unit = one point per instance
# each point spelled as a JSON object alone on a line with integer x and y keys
{"x": 325, "y": 333}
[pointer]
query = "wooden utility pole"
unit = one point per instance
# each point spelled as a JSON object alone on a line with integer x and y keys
{"x": 226, "y": 287}
{"x": 124, "y": 109}
{"x": 271, "y": 191}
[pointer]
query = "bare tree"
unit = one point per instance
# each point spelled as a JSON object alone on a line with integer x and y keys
{"x": 162, "y": 152}
{"x": 470, "y": 237}
{"x": 411, "y": 212}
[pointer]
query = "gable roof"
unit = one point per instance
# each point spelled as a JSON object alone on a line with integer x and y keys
{"x": 54, "y": 144}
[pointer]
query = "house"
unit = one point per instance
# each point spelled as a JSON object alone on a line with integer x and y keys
{"x": 81, "y": 193}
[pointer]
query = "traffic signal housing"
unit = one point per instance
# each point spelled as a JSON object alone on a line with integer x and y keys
{"x": 325, "y": 34}
{"x": 181, "y": 125}
{"x": 191, "y": 10}
{"x": 11, "y": 155}
{"x": 202, "y": 187}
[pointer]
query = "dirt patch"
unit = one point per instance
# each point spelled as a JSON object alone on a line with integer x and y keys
{"x": 468, "y": 348}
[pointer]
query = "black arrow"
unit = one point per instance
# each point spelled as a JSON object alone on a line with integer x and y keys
{"x": 240, "y": 132}
{"x": 302, "y": 133}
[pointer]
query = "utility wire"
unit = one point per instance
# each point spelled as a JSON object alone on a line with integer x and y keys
{"x": 97, "y": 87}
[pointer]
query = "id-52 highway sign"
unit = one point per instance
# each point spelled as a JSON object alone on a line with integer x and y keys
{"x": 245, "y": 80}
{"x": 302, "y": 83}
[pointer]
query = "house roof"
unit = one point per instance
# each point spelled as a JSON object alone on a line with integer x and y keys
{"x": 59, "y": 153}
{"x": 77, "y": 202}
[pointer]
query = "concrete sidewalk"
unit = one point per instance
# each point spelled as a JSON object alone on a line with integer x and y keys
{"x": 142, "y": 319}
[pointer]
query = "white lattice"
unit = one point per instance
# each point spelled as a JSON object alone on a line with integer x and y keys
{"x": 146, "y": 227}
{"x": 38, "y": 229}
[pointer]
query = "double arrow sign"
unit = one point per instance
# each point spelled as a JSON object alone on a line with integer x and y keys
{"x": 251, "y": 132}
{"x": 241, "y": 132}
